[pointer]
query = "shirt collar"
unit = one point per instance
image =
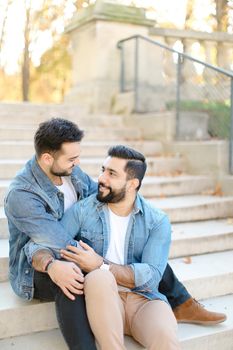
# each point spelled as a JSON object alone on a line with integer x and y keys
{"x": 45, "y": 183}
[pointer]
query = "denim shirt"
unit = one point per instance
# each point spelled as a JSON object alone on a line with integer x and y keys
{"x": 34, "y": 208}
{"x": 147, "y": 239}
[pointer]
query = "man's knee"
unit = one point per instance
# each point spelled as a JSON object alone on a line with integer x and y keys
{"x": 98, "y": 280}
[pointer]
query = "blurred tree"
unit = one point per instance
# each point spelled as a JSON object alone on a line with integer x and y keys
{"x": 5, "y": 16}
{"x": 26, "y": 55}
{"x": 221, "y": 16}
{"x": 189, "y": 16}
{"x": 51, "y": 79}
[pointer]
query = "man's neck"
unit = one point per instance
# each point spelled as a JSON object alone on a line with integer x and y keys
{"x": 56, "y": 180}
{"x": 123, "y": 208}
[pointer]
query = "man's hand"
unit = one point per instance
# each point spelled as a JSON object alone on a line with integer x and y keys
{"x": 68, "y": 277}
{"x": 86, "y": 258}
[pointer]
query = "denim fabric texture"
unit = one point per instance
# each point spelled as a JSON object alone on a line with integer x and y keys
{"x": 34, "y": 208}
{"x": 147, "y": 240}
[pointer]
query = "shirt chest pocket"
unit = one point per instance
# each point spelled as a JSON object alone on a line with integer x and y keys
{"x": 94, "y": 239}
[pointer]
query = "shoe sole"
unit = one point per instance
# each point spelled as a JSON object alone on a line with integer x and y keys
{"x": 203, "y": 323}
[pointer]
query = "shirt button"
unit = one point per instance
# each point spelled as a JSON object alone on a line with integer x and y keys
{"x": 26, "y": 271}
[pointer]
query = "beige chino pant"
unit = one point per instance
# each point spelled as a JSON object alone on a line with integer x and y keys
{"x": 112, "y": 314}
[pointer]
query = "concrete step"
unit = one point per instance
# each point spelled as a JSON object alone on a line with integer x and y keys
{"x": 92, "y": 166}
{"x": 4, "y": 259}
{"x": 21, "y": 317}
{"x": 201, "y": 237}
{"x": 157, "y": 186}
{"x": 199, "y": 273}
{"x": 4, "y": 184}
{"x": 195, "y": 208}
{"x": 188, "y": 239}
{"x": 20, "y": 332}
{"x": 217, "y": 337}
{"x": 161, "y": 186}
{"x": 95, "y": 133}
{"x": 25, "y": 149}
{"x": 33, "y": 113}
{"x": 206, "y": 275}
{"x": 3, "y": 225}
{"x": 179, "y": 209}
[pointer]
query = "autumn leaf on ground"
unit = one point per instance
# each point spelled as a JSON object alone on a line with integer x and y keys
{"x": 218, "y": 190}
{"x": 230, "y": 221}
{"x": 187, "y": 260}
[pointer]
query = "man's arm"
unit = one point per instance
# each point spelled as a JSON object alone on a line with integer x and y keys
{"x": 89, "y": 260}
{"x": 66, "y": 275}
{"x": 29, "y": 214}
{"x": 143, "y": 275}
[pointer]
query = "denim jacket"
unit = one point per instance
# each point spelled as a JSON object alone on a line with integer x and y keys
{"x": 34, "y": 208}
{"x": 147, "y": 239}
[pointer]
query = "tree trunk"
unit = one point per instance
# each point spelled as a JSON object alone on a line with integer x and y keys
{"x": 4, "y": 23}
{"x": 221, "y": 15}
{"x": 26, "y": 58}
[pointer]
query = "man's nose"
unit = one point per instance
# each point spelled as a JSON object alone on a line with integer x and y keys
{"x": 102, "y": 177}
{"x": 76, "y": 162}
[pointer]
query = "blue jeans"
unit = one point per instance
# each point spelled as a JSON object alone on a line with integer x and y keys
{"x": 174, "y": 290}
{"x": 71, "y": 315}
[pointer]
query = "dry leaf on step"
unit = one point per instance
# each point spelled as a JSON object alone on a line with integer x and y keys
{"x": 187, "y": 260}
{"x": 230, "y": 221}
{"x": 218, "y": 190}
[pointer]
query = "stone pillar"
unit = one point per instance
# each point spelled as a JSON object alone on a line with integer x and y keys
{"x": 94, "y": 33}
{"x": 169, "y": 65}
{"x": 188, "y": 69}
{"x": 224, "y": 55}
{"x": 210, "y": 50}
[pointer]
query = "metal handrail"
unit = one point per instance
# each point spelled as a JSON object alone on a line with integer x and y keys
{"x": 181, "y": 56}
{"x": 217, "y": 69}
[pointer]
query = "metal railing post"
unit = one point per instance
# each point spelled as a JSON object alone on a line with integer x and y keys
{"x": 178, "y": 82}
{"x": 136, "y": 74}
{"x": 231, "y": 131}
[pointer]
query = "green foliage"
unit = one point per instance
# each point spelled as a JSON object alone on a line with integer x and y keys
{"x": 219, "y": 115}
{"x": 51, "y": 80}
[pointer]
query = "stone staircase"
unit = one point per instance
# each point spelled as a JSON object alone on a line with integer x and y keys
{"x": 202, "y": 247}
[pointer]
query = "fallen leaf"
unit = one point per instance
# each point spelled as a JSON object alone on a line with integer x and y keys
{"x": 218, "y": 191}
{"x": 230, "y": 221}
{"x": 187, "y": 260}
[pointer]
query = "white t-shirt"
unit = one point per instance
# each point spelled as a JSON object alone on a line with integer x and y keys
{"x": 118, "y": 229}
{"x": 67, "y": 188}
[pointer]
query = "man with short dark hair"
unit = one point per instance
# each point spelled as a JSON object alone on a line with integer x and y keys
{"x": 37, "y": 198}
{"x": 36, "y": 201}
{"x": 126, "y": 255}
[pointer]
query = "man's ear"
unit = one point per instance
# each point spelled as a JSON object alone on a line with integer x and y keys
{"x": 47, "y": 159}
{"x": 134, "y": 183}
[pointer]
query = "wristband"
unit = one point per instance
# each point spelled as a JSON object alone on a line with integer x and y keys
{"x": 105, "y": 265}
{"x": 49, "y": 262}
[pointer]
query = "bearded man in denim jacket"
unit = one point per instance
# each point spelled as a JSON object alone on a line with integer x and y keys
{"x": 34, "y": 206}
{"x": 134, "y": 239}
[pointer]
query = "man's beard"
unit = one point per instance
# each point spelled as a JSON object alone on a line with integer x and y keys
{"x": 61, "y": 173}
{"x": 112, "y": 196}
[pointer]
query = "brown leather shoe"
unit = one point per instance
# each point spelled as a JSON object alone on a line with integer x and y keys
{"x": 193, "y": 312}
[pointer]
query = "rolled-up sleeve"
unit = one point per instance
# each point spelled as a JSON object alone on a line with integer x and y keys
{"x": 28, "y": 214}
{"x": 149, "y": 272}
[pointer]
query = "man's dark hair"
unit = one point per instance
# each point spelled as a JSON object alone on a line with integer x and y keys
{"x": 52, "y": 133}
{"x": 136, "y": 165}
